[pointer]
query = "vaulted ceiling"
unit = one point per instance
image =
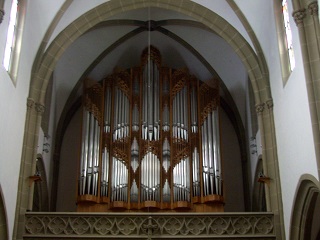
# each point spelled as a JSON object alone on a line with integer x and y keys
{"x": 182, "y": 41}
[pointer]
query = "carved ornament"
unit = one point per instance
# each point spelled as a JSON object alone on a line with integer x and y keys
{"x": 30, "y": 103}
{"x": 1, "y": 15}
{"x": 142, "y": 226}
{"x": 269, "y": 103}
{"x": 260, "y": 108}
{"x": 39, "y": 108}
{"x": 313, "y": 9}
{"x": 299, "y": 15}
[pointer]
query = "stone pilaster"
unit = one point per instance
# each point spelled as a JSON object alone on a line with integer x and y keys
{"x": 308, "y": 27}
{"x": 28, "y": 164}
{"x": 1, "y": 15}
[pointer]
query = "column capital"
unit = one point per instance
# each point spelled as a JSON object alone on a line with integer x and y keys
{"x": 30, "y": 103}
{"x": 313, "y": 8}
{"x": 260, "y": 108}
{"x": 1, "y": 15}
{"x": 39, "y": 108}
{"x": 269, "y": 103}
{"x": 299, "y": 15}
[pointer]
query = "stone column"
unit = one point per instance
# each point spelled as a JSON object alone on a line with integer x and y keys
{"x": 28, "y": 165}
{"x": 270, "y": 162}
{"x": 260, "y": 109}
{"x": 1, "y": 10}
{"x": 309, "y": 39}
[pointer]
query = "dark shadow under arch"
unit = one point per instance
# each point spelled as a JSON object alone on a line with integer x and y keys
{"x": 303, "y": 220}
{"x": 3, "y": 219}
{"x": 258, "y": 194}
{"x": 40, "y": 195}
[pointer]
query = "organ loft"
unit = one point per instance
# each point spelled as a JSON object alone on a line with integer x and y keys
{"x": 150, "y": 141}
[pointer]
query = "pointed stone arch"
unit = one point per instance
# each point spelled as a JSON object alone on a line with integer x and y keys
{"x": 46, "y": 62}
{"x": 307, "y": 197}
{"x": 3, "y": 219}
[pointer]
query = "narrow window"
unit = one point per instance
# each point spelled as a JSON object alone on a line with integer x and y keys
{"x": 11, "y": 36}
{"x": 288, "y": 32}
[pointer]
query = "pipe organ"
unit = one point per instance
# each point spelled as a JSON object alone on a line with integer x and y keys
{"x": 150, "y": 141}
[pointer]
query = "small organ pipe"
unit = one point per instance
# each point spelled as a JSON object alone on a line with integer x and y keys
{"x": 107, "y": 110}
{"x": 90, "y": 159}
{"x": 115, "y": 115}
{"x": 216, "y": 145}
{"x": 86, "y": 125}
{"x": 210, "y": 153}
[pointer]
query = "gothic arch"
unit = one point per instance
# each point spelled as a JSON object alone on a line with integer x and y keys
{"x": 307, "y": 196}
{"x": 256, "y": 70}
{"x": 3, "y": 218}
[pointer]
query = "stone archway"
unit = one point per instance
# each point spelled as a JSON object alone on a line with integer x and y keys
{"x": 3, "y": 219}
{"x": 304, "y": 224}
{"x": 255, "y": 68}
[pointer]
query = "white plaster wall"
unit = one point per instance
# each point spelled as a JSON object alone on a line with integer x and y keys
{"x": 296, "y": 154}
{"x": 13, "y": 99}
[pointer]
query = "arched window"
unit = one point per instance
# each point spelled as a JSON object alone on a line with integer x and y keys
{"x": 11, "y": 35}
{"x": 288, "y": 32}
{"x": 284, "y": 39}
{"x": 14, "y": 35}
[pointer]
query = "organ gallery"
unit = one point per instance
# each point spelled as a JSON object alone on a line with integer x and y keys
{"x": 150, "y": 141}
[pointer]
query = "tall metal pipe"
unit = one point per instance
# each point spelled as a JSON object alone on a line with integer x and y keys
{"x": 216, "y": 145}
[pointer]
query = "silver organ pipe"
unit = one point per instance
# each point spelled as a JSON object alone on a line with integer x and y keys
{"x": 150, "y": 110}
{"x": 105, "y": 172}
{"x": 181, "y": 181}
{"x": 134, "y": 192}
{"x": 135, "y": 118}
{"x": 134, "y": 155}
{"x": 166, "y": 155}
{"x": 211, "y": 154}
{"x": 90, "y": 153}
{"x": 195, "y": 172}
{"x": 107, "y": 110}
{"x": 84, "y": 155}
{"x": 150, "y": 177}
{"x": 119, "y": 180}
{"x": 194, "y": 111}
{"x": 216, "y": 150}
{"x": 158, "y": 141}
{"x": 166, "y": 118}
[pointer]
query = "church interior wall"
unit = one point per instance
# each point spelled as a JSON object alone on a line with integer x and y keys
{"x": 291, "y": 112}
{"x": 296, "y": 154}
{"x": 13, "y": 102}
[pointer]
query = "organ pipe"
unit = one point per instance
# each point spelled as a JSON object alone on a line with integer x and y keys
{"x": 150, "y": 136}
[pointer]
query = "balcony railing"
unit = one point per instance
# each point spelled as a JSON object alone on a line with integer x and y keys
{"x": 49, "y": 225}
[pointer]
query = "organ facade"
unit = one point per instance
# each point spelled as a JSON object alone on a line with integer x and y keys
{"x": 150, "y": 141}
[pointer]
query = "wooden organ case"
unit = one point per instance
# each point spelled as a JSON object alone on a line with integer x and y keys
{"x": 150, "y": 142}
